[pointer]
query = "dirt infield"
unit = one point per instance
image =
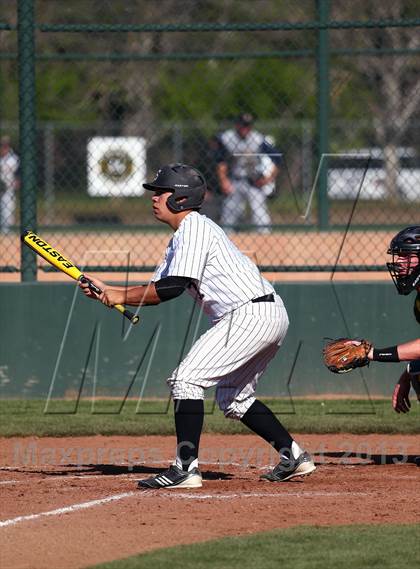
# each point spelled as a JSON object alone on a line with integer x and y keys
{"x": 69, "y": 503}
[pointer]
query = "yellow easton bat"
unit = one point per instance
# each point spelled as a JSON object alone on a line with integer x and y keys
{"x": 50, "y": 254}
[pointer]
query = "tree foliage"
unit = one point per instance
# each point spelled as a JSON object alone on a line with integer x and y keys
{"x": 212, "y": 89}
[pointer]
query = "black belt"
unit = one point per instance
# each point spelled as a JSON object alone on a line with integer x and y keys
{"x": 265, "y": 298}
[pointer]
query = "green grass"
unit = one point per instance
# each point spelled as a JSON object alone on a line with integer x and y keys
{"x": 346, "y": 547}
{"x": 24, "y": 418}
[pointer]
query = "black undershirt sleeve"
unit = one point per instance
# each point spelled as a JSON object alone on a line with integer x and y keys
{"x": 171, "y": 287}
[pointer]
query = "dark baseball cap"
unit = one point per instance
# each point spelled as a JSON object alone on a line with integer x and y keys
{"x": 245, "y": 119}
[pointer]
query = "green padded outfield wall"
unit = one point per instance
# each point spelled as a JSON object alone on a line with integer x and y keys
{"x": 55, "y": 342}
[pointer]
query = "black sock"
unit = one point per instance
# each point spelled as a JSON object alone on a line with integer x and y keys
{"x": 260, "y": 419}
{"x": 189, "y": 416}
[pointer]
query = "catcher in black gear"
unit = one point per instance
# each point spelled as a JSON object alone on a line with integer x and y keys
{"x": 344, "y": 354}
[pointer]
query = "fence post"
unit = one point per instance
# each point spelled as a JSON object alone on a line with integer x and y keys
{"x": 323, "y": 108}
{"x": 27, "y": 132}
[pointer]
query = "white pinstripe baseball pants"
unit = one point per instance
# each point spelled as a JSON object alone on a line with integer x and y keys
{"x": 234, "y": 204}
{"x": 232, "y": 355}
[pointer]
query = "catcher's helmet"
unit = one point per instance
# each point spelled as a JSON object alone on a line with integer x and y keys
{"x": 187, "y": 185}
{"x": 405, "y": 243}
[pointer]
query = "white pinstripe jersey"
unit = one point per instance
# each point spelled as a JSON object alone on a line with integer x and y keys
{"x": 225, "y": 278}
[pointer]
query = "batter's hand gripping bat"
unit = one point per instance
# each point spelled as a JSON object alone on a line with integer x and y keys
{"x": 50, "y": 254}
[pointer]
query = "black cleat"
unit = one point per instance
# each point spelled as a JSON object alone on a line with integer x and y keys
{"x": 174, "y": 477}
{"x": 288, "y": 469}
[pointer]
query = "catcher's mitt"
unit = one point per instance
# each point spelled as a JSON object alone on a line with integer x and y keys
{"x": 344, "y": 354}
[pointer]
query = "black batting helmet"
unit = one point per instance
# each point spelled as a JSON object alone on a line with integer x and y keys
{"x": 405, "y": 243}
{"x": 186, "y": 183}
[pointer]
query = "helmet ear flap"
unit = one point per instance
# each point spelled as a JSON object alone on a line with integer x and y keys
{"x": 175, "y": 203}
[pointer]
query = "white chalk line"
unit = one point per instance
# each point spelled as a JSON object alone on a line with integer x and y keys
{"x": 67, "y": 509}
{"x": 233, "y": 495}
{"x": 174, "y": 494}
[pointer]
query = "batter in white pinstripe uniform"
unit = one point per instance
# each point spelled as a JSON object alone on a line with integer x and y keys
{"x": 249, "y": 324}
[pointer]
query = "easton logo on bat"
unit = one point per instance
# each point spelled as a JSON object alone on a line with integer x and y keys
{"x": 48, "y": 249}
{"x": 56, "y": 259}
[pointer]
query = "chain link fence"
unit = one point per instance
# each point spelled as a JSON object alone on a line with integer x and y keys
{"x": 95, "y": 96}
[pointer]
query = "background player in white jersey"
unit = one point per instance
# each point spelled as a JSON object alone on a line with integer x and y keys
{"x": 9, "y": 184}
{"x": 243, "y": 173}
{"x": 249, "y": 324}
